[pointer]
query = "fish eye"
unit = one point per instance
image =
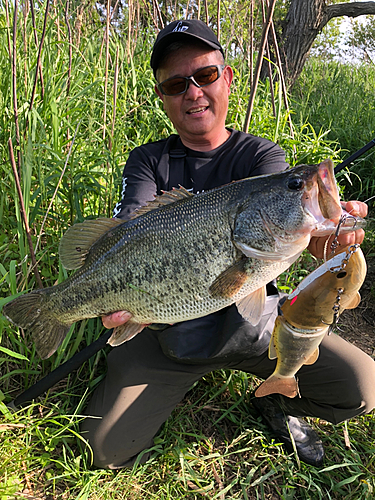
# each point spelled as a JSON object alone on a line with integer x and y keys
{"x": 295, "y": 183}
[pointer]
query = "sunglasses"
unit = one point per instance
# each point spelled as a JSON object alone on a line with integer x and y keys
{"x": 201, "y": 78}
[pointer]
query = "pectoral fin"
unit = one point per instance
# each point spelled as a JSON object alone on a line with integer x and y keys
{"x": 251, "y": 307}
{"x": 255, "y": 253}
{"x": 280, "y": 252}
{"x": 230, "y": 281}
{"x": 125, "y": 332}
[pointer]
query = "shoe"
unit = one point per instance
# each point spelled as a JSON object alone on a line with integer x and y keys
{"x": 308, "y": 445}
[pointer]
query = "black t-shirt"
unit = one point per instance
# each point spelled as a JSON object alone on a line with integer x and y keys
{"x": 223, "y": 335}
{"x": 147, "y": 171}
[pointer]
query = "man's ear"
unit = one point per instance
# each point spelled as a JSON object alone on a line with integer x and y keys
{"x": 228, "y": 76}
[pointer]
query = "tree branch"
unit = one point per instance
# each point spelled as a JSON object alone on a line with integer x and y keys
{"x": 351, "y": 9}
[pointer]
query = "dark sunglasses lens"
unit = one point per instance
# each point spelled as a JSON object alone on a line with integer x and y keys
{"x": 206, "y": 76}
{"x": 174, "y": 86}
{"x": 203, "y": 77}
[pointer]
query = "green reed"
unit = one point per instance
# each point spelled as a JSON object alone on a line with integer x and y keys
{"x": 71, "y": 161}
{"x": 338, "y": 98}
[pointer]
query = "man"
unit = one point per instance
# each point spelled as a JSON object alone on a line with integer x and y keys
{"x": 149, "y": 375}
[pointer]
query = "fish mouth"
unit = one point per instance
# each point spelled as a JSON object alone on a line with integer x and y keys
{"x": 328, "y": 198}
{"x": 321, "y": 199}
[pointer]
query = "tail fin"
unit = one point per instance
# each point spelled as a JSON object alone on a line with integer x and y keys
{"x": 286, "y": 386}
{"x": 27, "y": 311}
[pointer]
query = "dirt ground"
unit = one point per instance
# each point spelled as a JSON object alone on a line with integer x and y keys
{"x": 358, "y": 325}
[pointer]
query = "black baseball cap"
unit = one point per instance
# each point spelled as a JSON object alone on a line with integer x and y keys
{"x": 181, "y": 30}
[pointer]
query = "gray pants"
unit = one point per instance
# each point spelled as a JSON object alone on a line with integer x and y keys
{"x": 143, "y": 386}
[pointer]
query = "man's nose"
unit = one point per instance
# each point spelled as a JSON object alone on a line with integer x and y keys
{"x": 193, "y": 91}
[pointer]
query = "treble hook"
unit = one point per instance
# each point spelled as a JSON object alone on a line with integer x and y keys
{"x": 342, "y": 221}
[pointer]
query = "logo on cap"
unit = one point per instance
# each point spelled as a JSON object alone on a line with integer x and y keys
{"x": 180, "y": 27}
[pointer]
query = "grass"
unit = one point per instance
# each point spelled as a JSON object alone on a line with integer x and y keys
{"x": 335, "y": 97}
{"x": 214, "y": 445}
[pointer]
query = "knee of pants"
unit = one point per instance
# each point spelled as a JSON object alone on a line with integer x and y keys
{"x": 110, "y": 447}
{"x": 366, "y": 389}
{"x": 125, "y": 459}
{"x": 358, "y": 387}
{"x": 339, "y": 386}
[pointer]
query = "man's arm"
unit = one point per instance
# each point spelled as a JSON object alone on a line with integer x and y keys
{"x": 138, "y": 183}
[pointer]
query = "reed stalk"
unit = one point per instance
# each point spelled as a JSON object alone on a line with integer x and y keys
{"x": 8, "y": 29}
{"x": 108, "y": 18}
{"x": 38, "y": 68}
{"x": 282, "y": 77}
{"x": 14, "y": 88}
{"x": 187, "y": 10}
{"x": 251, "y": 42}
{"x": 25, "y": 45}
{"x": 266, "y": 27}
{"x": 270, "y": 76}
{"x": 23, "y": 214}
{"x": 218, "y": 19}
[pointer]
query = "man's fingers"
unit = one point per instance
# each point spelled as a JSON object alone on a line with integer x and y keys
{"x": 116, "y": 319}
{"x": 356, "y": 208}
{"x": 351, "y": 238}
{"x": 318, "y": 246}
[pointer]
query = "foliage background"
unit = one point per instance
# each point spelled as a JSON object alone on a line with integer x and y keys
{"x": 92, "y": 105}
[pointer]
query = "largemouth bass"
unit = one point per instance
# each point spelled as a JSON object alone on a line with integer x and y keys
{"x": 308, "y": 314}
{"x": 184, "y": 256}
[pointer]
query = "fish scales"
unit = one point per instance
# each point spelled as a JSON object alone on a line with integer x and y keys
{"x": 184, "y": 259}
{"x": 160, "y": 268}
{"x": 202, "y": 252}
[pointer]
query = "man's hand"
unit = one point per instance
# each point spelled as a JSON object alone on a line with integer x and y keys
{"x": 116, "y": 319}
{"x": 318, "y": 245}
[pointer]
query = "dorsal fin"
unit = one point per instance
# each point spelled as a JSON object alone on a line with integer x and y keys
{"x": 167, "y": 197}
{"x": 78, "y": 239}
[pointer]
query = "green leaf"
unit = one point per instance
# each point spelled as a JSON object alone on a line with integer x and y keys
{"x": 13, "y": 354}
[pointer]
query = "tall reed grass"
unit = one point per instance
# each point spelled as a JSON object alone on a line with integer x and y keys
{"x": 337, "y": 98}
{"x": 71, "y": 162}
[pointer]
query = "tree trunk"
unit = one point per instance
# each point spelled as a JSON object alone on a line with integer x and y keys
{"x": 304, "y": 21}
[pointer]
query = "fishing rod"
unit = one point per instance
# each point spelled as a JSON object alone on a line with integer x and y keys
{"x": 60, "y": 372}
{"x": 87, "y": 352}
{"x": 354, "y": 156}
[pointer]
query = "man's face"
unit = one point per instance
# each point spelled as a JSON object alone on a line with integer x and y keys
{"x": 199, "y": 114}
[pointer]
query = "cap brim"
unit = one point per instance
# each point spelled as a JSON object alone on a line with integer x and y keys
{"x": 176, "y": 37}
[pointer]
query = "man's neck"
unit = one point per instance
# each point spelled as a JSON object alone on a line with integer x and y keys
{"x": 205, "y": 143}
